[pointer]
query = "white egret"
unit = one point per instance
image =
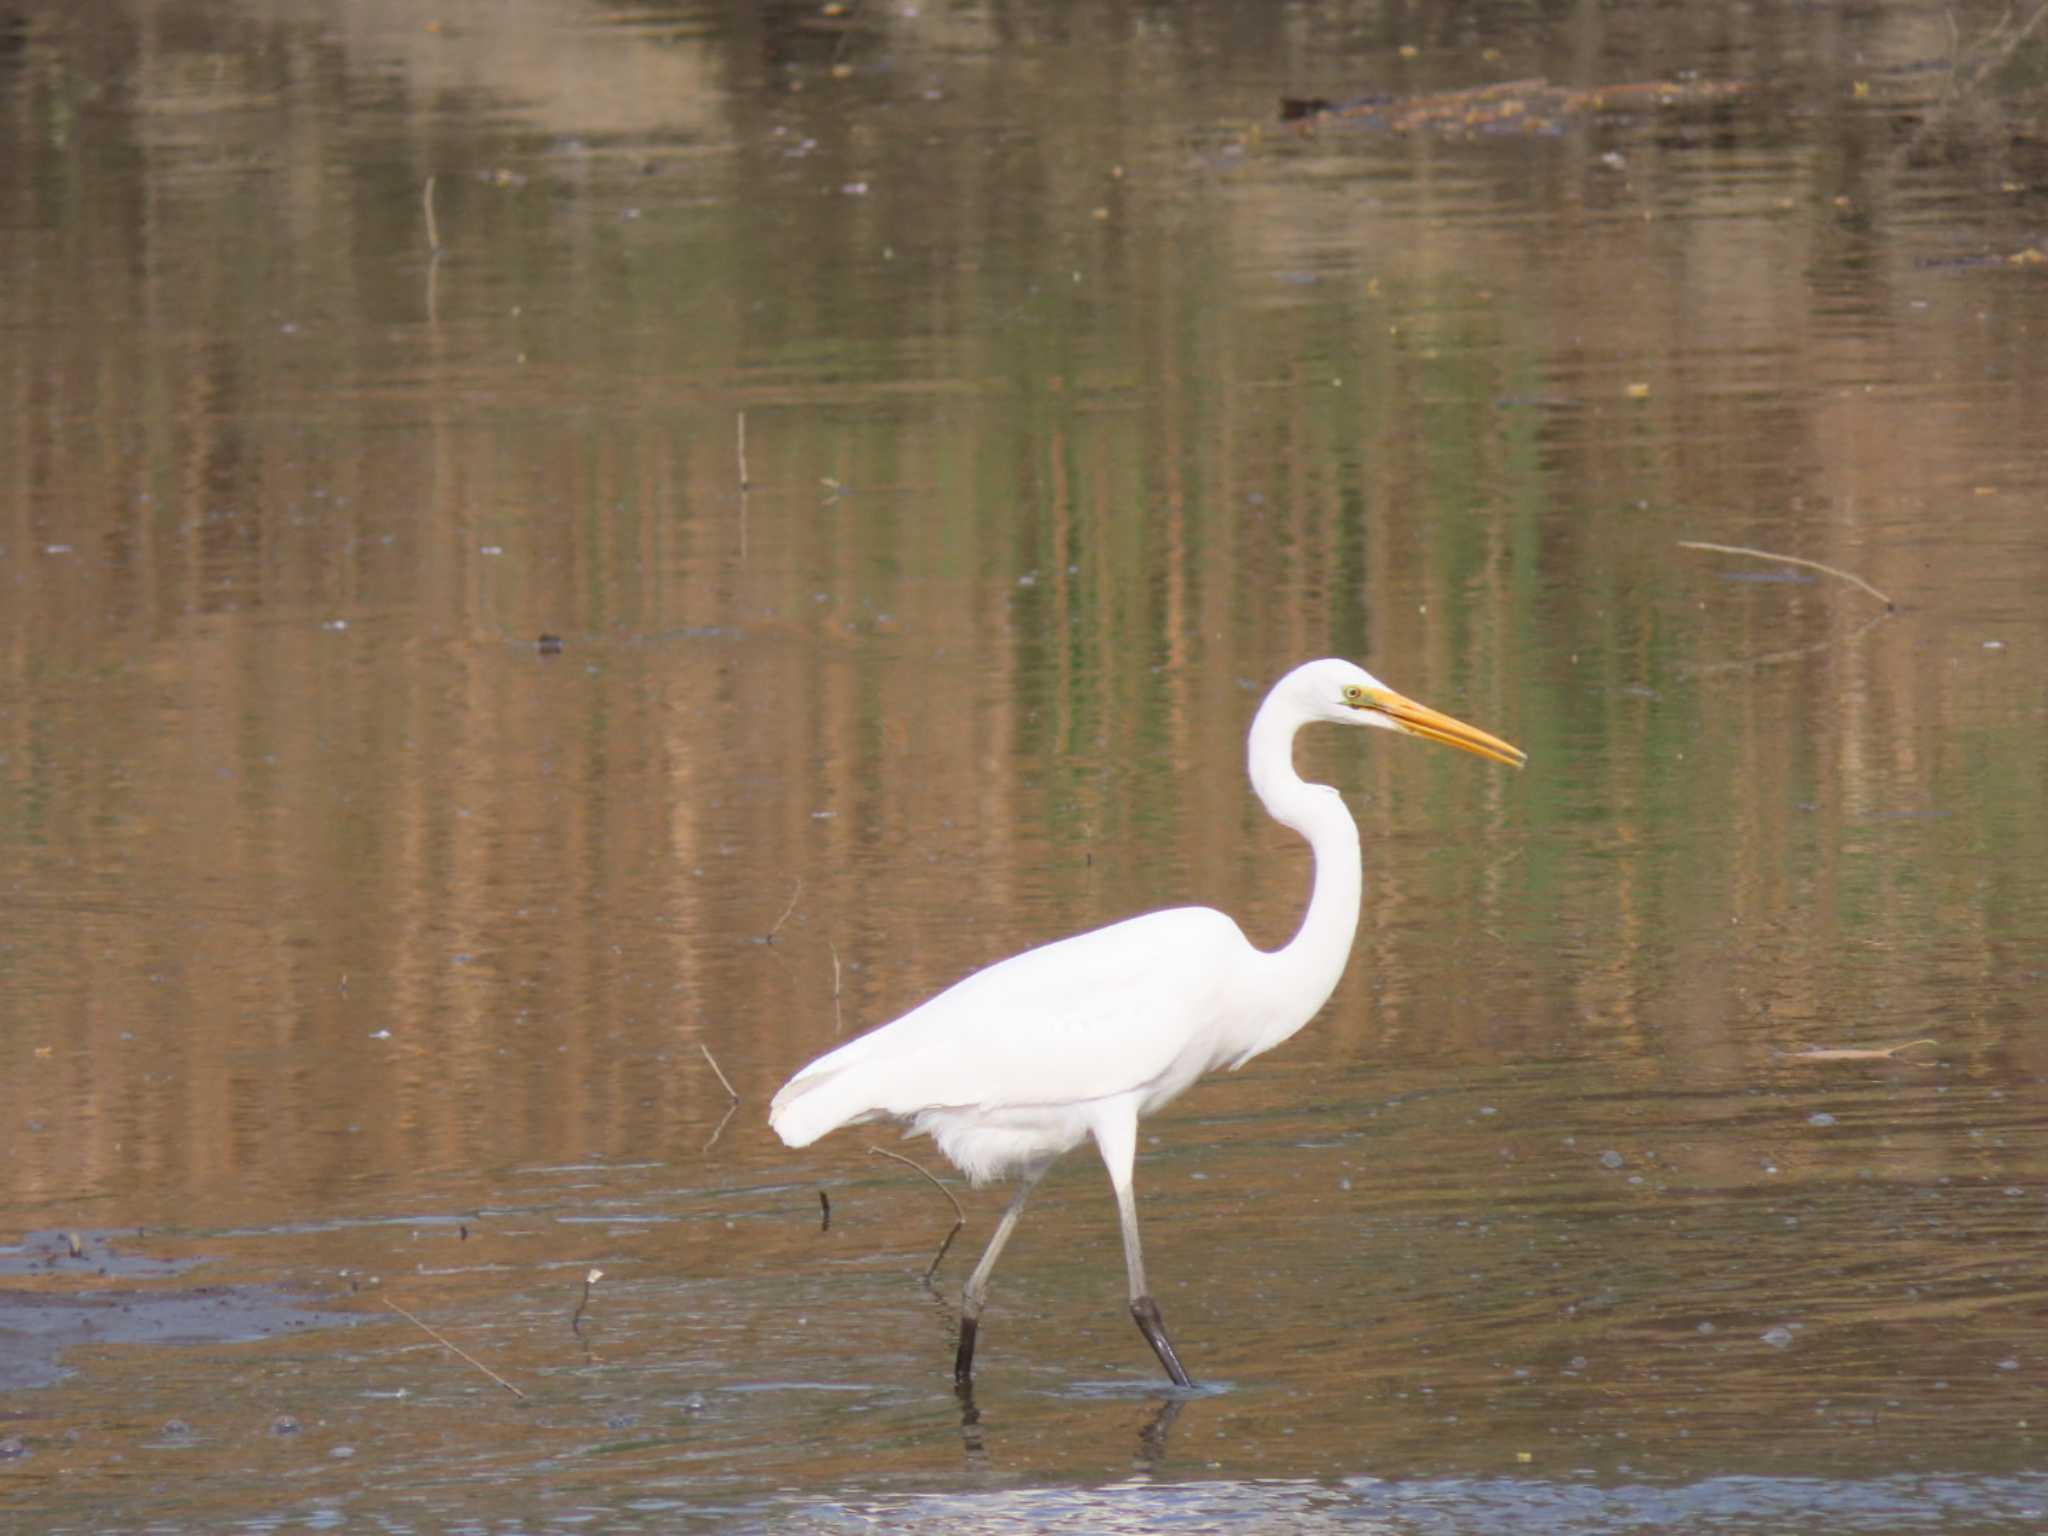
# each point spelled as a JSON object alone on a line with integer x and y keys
{"x": 1026, "y": 1059}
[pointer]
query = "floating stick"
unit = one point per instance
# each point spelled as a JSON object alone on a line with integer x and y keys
{"x": 458, "y": 1349}
{"x": 1773, "y": 658}
{"x": 745, "y": 485}
{"x": 1811, "y": 565}
{"x": 1998, "y": 46}
{"x": 793, "y": 895}
{"x": 1854, "y": 1053}
{"x": 590, "y": 1279}
{"x": 731, "y": 1092}
{"x": 959, "y": 1216}
{"x": 723, "y": 1121}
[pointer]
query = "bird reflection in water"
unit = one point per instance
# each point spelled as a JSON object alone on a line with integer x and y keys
{"x": 1153, "y": 1433}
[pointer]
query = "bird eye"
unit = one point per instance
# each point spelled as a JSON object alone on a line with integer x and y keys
{"x": 1354, "y": 693}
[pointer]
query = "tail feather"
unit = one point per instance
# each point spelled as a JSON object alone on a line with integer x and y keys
{"x": 815, "y": 1104}
{"x": 840, "y": 1088}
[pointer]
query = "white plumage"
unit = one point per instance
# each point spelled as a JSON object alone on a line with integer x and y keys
{"x": 997, "y": 1068}
{"x": 1026, "y": 1059}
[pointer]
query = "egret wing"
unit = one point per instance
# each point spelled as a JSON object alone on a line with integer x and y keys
{"x": 1103, "y": 1013}
{"x": 1132, "y": 1007}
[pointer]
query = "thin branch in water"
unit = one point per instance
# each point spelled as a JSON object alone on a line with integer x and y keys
{"x": 959, "y": 1216}
{"x": 847, "y": 18}
{"x": 723, "y": 1081}
{"x": 1854, "y": 1053}
{"x": 723, "y": 1121}
{"x": 793, "y": 895}
{"x": 582, "y": 1306}
{"x": 730, "y": 1092}
{"x": 1774, "y": 658}
{"x": 745, "y": 485}
{"x": 433, "y": 294}
{"x": 458, "y": 1349}
{"x": 1998, "y": 47}
{"x": 1811, "y": 565}
{"x": 838, "y": 1018}
{"x": 825, "y": 1205}
{"x": 433, "y": 229}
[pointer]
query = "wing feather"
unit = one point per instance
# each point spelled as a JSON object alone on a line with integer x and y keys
{"x": 1143, "y": 1006}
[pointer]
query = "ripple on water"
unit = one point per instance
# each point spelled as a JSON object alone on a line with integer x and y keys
{"x": 1725, "y": 1504}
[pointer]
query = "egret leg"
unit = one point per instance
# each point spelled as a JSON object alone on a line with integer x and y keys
{"x": 1117, "y": 1137}
{"x": 976, "y": 1292}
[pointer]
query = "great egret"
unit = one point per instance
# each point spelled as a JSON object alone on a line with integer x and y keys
{"x": 1026, "y": 1059}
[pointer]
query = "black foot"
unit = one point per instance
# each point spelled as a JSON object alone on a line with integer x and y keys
{"x": 970, "y": 1423}
{"x": 963, "y": 1362}
{"x": 1146, "y": 1311}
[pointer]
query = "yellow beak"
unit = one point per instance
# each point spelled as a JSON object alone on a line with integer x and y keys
{"x": 1431, "y": 725}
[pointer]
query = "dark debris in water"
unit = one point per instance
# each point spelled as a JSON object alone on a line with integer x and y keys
{"x": 1524, "y": 108}
{"x": 87, "y": 1253}
{"x": 67, "y": 1306}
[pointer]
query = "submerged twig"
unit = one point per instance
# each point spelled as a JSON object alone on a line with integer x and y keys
{"x": 1793, "y": 653}
{"x": 723, "y": 1081}
{"x": 1996, "y": 48}
{"x": 847, "y": 16}
{"x": 433, "y": 229}
{"x": 793, "y": 895}
{"x": 718, "y": 1130}
{"x": 1853, "y": 1053}
{"x": 433, "y": 292}
{"x": 730, "y": 1092}
{"x": 825, "y": 1205}
{"x": 838, "y": 1018}
{"x": 745, "y": 484}
{"x": 457, "y": 1348}
{"x": 959, "y": 1216}
{"x": 1811, "y": 565}
{"x": 583, "y": 1305}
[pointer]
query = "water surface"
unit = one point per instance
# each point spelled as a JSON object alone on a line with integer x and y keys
{"x": 923, "y": 433}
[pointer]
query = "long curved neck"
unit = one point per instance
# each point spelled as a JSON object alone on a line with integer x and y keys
{"x": 1306, "y": 969}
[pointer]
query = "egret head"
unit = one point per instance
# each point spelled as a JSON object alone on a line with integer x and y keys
{"x": 1349, "y": 695}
